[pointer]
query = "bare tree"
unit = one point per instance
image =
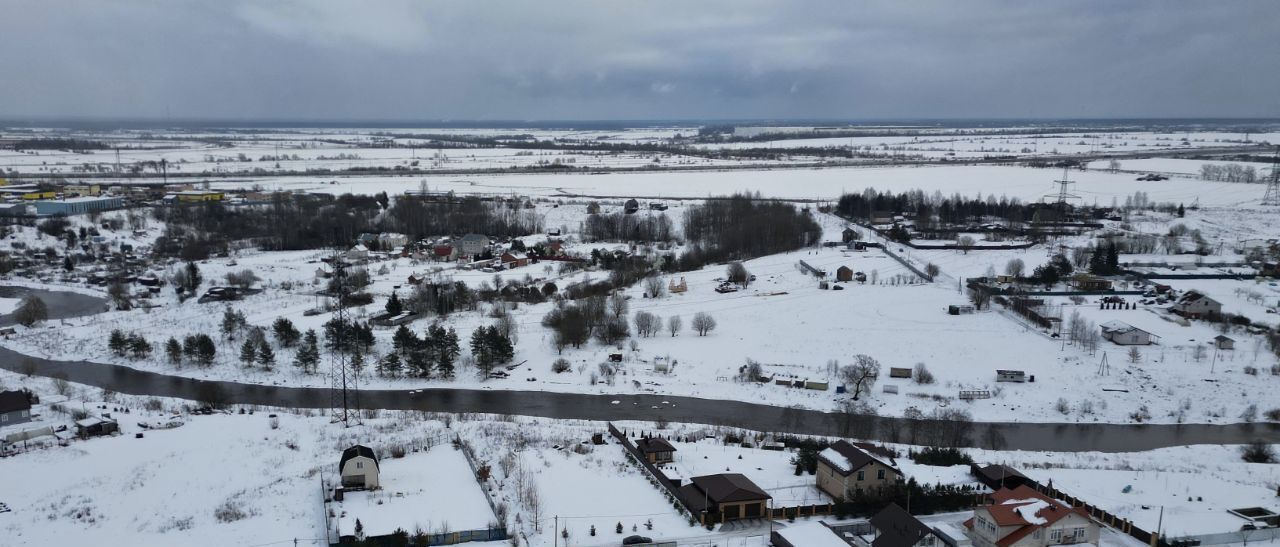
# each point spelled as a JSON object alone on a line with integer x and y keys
{"x": 242, "y": 279}
{"x": 1015, "y": 267}
{"x": 31, "y": 310}
{"x": 674, "y": 324}
{"x": 737, "y": 273}
{"x": 654, "y": 287}
{"x": 618, "y": 305}
{"x": 703, "y": 323}
{"x": 647, "y": 323}
{"x": 965, "y": 242}
{"x": 979, "y": 297}
{"x": 860, "y": 376}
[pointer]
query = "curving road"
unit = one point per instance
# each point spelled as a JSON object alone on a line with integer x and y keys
{"x": 758, "y": 417}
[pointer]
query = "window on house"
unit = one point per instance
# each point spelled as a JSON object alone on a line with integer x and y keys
{"x": 1036, "y": 534}
{"x": 1080, "y": 532}
{"x": 4, "y": 417}
{"x": 26, "y": 414}
{"x": 359, "y": 465}
{"x": 1055, "y": 534}
{"x": 862, "y": 475}
{"x": 880, "y": 474}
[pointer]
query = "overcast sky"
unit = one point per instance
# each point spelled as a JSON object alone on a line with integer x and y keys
{"x": 551, "y": 59}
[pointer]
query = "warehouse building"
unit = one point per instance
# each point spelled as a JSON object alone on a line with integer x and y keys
{"x": 77, "y": 206}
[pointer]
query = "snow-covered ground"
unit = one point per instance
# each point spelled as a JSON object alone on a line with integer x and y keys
{"x": 249, "y": 478}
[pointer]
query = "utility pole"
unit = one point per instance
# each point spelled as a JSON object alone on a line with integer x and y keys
{"x": 555, "y": 533}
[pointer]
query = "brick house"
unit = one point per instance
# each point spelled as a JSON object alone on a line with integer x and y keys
{"x": 725, "y": 497}
{"x": 656, "y": 450}
{"x": 845, "y": 467}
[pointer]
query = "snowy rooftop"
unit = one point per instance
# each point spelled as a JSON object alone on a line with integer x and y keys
{"x": 811, "y": 534}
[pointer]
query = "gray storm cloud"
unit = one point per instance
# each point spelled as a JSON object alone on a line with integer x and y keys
{"x": 404, "y": 59}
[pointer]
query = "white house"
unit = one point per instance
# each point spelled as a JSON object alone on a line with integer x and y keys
{"x": 472, "y": 244}
{"x": 1124, "y": 334}
{"x": 1195, "y": 304}
{"x": 359, "y": 252}
{"x": 359, "y": 467}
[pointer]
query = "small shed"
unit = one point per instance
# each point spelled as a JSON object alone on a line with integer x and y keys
{"x": 96, "y": 426}
{"x": 358, "y": 467}
{"x": 848, "y": 235}
{"x": 899, "y": 372}
{"x": 1011, "y": 376}
{"x": 844, "y": 273}
{"x": 1224, "y": 342}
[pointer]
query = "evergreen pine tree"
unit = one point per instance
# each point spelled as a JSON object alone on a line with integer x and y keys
{"x": 389, "y": 365}
{"x": 248, "y": 352}
{"x": 118, "y": 343}
{"x": 173, "y": 350}
{"x": 285, "y": 332}
{"x": 394, "y": 307}
{"x": 481, "y": 350}
{"x": 266, "y": 357}
{"x": 229, "y": 322}
{"x": 419, "y": 363}
{"x": 206, "y": 351}
{"x": 500, "y": 346}
{"x": 307, "y": 357}
{"x": 138, "y": 346}
{"x": 404, "y": 340}
{"x": 450, "y": 351}
{"x": 1182, "y": 212}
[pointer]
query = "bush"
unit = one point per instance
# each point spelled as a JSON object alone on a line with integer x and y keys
{"x": 1258, "y": 452}
{"x": 1062, "y": 406}
{"x": 560, "y": 365}
{"x": 229, "y": 511}
{"x": 1272, "y": 415}
{"x": 940, "y": 456}
{"x": 922, "y": 374}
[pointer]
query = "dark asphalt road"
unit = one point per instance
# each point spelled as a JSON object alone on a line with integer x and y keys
{"x": 759, "y": 417}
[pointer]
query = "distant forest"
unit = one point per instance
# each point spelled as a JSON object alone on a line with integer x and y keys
{"x": 314, "y": 221}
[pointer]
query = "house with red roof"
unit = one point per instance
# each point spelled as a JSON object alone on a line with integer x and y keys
{"x": 1023, "y": 517}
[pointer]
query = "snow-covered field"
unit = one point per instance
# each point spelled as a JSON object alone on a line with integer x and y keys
{"x": 1027, "y": 184}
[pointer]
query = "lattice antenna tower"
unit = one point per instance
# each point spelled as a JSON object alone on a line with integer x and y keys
{"x": 1104, "y": 368}
{"x": 1272, "y": 197}
{"x": 344, "y": 380}
{"x": 1064, "y": 190}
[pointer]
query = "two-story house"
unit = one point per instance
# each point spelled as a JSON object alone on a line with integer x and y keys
{"x": 1023, "y": 517}
{"x": 844, "y": 468}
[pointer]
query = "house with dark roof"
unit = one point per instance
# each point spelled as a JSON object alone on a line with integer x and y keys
{"x": 997, "y": 476}
{"x": 359, "y": 467}
{"x": 893, "y": 526}
{"x": 725, "y": 497}
{"x": 1224, "y": 342}
{"x": 656, "y": 450}
{"x": 15, "y": 408}
{"x": 846, "y": 467}
{"x": 1023, "y": 517}
{"x": 1195, "y": 304}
